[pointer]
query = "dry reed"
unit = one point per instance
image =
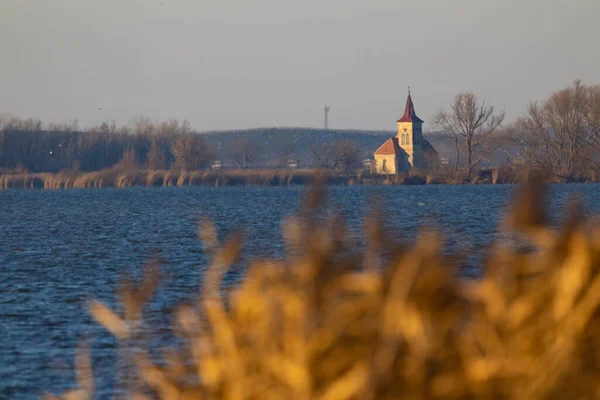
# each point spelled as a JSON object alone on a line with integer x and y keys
{"x": 495, "y": 176}
{"x": 393, "y": 321}
{"x": 126, "y": 177}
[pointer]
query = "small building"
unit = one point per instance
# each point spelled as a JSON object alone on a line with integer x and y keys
{"x": 292, "y": 164}
{"x": 408, "y": 150}
{"x": 217, "y": 165}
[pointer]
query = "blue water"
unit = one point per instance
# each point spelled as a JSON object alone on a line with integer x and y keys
{"x": 60, "y": 248}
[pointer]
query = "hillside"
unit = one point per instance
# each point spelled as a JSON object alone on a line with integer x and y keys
{"x": 271, "y": 141}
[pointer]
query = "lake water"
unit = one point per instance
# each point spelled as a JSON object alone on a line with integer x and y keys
{"x": 59, "y": 248}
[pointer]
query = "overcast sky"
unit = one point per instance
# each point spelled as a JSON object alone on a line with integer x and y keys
{"x": 225, "y": 64}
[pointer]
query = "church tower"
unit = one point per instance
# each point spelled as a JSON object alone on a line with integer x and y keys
{"x": 410, "y": 137}
{"x": 408, "y": 149}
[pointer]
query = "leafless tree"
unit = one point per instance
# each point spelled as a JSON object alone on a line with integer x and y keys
{"x": 340, "y": 155}
{"x": 562, "y": 134}
{"x": 346, "y": 155}
{"x": 470, "y": 121}
{"x": 24, "y": 125}
{"x": 323, "y": 155}
{"x": 284, "y": 152}
{"x": 106, "y": 127}
{"x": 173, "y": 127}
{"x": 141, "y": 125}
{"x": 243, "y": 152}
{"x": 191, "y": 152}
{"x": 592, "y": 112}
{"x": 156, "y": 157}
{"x": 64, "y": 126}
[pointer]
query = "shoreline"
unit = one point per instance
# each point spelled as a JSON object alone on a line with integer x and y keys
{"x": 120, "y": 178}
{"x": 130, "y": 177}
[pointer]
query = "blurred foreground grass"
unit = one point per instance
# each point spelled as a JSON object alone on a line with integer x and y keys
{"x": 392, "y": 321}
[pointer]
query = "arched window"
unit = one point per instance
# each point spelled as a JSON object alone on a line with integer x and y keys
{"x": 403, "y": 139}
{"x": 407, "y": 138}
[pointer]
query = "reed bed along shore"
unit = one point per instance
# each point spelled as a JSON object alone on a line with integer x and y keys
{"x": 156, "y": 178}
{"x": 392, "y": 321}
{"x": 118, "y": 178}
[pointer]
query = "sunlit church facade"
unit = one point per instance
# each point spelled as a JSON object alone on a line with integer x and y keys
{"x": 408, "y": 150}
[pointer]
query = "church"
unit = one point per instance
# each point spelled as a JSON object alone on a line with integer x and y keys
{"x": 408, "y": 150}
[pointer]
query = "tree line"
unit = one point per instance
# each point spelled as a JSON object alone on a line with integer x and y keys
{"x": 560, "y": 135}
{"x": 27, "y": 145}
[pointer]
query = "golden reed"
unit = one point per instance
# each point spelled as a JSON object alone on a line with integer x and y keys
{"x": 119, "y": 177}
{"x": 127, "y": 177}
{"x": 391, "y": 322}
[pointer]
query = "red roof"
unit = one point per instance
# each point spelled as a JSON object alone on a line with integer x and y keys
{"x": 409, "y": 112}
{"x": 389, "y": 147}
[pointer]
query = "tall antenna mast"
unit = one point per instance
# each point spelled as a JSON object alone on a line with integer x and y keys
{"x": 326, "y": 118}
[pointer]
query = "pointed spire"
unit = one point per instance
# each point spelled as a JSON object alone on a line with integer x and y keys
{"x": 409, "y": 111}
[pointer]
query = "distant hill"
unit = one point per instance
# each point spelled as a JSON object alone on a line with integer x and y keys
{"x": 270, "y": 141}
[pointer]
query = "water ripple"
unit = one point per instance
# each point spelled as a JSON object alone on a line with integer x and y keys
{"x": 58, "y": 248}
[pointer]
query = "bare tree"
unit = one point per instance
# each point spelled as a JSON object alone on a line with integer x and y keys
{"x": 346, "y": 155}
{"x": 323, "y": 155}
{"x": 471, "y": 121}
{"x": 243, "y": 152}
{"x": 191, "y": 152}
{"x": 592, "y": 112}
{"x": 561, "y": 135}
{"x": 23, "y": 125}
{"x": 156, "y": 157}
{"x": 284, "y": 152}
{"x": 338, "y": 156}
{"x": 141, "y": 125}
{"x": 173, "y": 127}
{"x": 106, "y": 127}
{"x": 64, "y": 126}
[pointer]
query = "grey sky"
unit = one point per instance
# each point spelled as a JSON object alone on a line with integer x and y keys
{"x": 252, "y": 63}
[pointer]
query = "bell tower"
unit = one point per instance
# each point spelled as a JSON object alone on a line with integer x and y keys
{"x": 410, "y": 137}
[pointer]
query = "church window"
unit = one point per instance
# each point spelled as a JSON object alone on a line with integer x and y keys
{"x": 407, "y": 138}
{"x": 403, "y": 139}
